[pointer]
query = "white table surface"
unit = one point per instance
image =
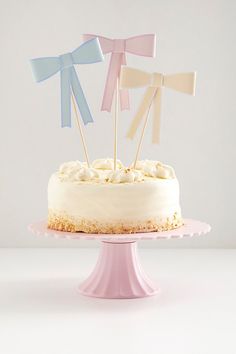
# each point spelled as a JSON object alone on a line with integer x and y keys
{"x": 41, "y": 313}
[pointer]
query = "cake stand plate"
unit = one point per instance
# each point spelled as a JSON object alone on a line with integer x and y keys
{"x": 118, "y": 273}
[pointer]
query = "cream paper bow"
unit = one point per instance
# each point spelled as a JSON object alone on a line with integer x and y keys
{"x": 133, "y": 78}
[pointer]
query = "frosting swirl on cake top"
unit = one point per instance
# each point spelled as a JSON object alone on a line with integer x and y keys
{"x": 101, "y": 171}
{"x": 125, "y": 175}
{"x": 106, "y": 164}
{"x": 155, "y": 169}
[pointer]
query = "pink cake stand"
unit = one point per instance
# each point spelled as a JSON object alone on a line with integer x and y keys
{"x": 118, "y": 273}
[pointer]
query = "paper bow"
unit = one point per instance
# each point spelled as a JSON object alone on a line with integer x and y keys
{"x": 43, "y": 68}
{"x": 133, "y": 78}
{"x": 143, "y": 45}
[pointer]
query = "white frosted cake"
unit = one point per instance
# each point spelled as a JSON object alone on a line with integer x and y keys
{"x": 101, "y": 200}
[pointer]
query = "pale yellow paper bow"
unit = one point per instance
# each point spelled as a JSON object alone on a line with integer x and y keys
{"x": 133, "y": 78}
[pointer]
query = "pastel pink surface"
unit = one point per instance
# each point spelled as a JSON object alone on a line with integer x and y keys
{"x": 118, "y": 273}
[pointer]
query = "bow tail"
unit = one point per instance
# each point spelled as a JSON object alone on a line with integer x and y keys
{"x": 111, "y": 80}
{"x": 65, "y": 98}
{"x": 124, "y": 93}
{"x": 156, "y": 117}
{"x": 143, "y": 108}
{"x": 80, "y": 98}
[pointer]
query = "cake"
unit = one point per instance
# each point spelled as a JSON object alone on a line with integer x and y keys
{"x": 97, "y": 199}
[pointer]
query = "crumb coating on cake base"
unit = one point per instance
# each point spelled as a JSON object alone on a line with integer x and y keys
{"x": 63, "y": 222}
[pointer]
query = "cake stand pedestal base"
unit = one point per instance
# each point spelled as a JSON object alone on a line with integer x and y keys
{"x": 118, "y": 274}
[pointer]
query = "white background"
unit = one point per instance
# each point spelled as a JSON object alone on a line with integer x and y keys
{"x": 197, "y": 134}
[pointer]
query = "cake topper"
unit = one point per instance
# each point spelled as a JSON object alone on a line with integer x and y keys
{"x": 143, "y": 45}
{"x": 133, "y": 78}
{"x": 43, "y": 68}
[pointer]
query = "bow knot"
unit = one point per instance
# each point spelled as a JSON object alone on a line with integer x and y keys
{"x": 139, "y": 45}
{"x": 43, "y": 68}
{"x": 66, "y": 60}
{"x": 157, "y": 80}
{"x": 131, "y": 78}
{"x": 118, "y": 46}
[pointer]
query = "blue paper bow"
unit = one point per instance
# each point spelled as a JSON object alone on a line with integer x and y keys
{"x": 43, "y": 68}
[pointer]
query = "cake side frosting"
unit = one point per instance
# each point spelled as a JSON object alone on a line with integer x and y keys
{"x": 100, "y": 200}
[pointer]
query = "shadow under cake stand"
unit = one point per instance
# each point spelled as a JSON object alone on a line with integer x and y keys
{"x": 118, "y": 273}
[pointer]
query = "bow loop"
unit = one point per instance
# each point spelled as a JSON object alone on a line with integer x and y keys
{"x": 130, "y": 77}
{"x": 182, "y": 82}
{"x": 143, "y": 45}
{"x": 140, "y": 45}
{"x": 89, "y": 52}
{"x": 43, "y": 68}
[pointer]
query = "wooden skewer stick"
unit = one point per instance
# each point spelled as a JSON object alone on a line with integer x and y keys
{"x": 116, "y": 123}
{"x": 142, "y": 135}
{"x": 80, "y": 130}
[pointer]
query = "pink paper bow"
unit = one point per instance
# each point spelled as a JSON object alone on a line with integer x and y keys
{"x": 140, "y": 45}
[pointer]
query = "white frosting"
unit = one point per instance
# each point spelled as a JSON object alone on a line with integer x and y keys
{"x": 152, "y": 198}
{"x": 140, "y": 165}
{"x": 102, "y": 171}
{"x": 125, "y": 176}
{"x": 106, "y": 164}
{"x": 155, "y": 169}
{"x": 77, "y": 171}
{"x": 86, "y": 174}
{"x": 70, "y": 168}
